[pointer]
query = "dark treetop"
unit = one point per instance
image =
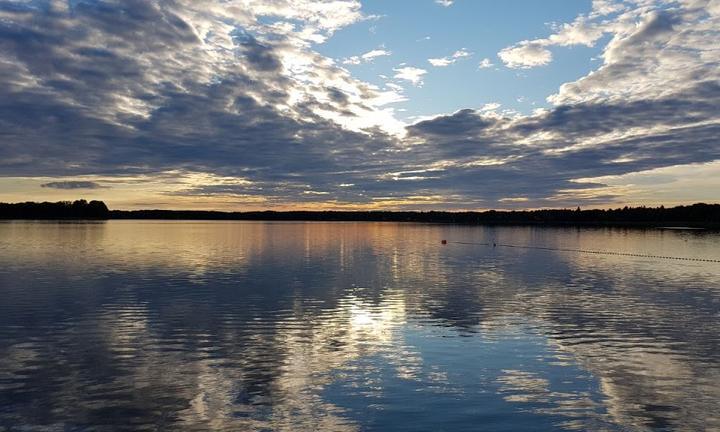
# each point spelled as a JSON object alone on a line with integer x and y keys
{"x": 79, "y": 209}
{"x": 696, "y": 215}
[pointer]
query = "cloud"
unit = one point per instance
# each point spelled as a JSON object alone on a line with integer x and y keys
{"x": 445, "y": 3}
{"x": 168, "y": 86}
{"x": 72, "y": 185}
{"x": 608, "y": 17}
{"x": 409, "y": 73}
{"x": 259, "y": 56}
{"x": 606, "y": 7}
{"x": 525, "y": 55}
{"x": 441, "y": 62}
{"x": 584, "y": 30}
{"x": 660, "y": 54}
{"x": 541, "y": 156}
{"x": 446, "y": 61}
{"x": 368, "y": 57}
{"x": 492, "y": 106}
{"x": 485, "y": 63}
{"x": 579, "y": 32}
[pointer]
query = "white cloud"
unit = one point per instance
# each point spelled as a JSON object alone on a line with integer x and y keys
{"x": 368, "y": 57}
{"x": 653, "y": 52}
{"x": 582, "y": 31}
{"x": 441, "y": 62}
{"x": 525, "y": 55}
{"x": 446, "y": 61}
{"x": 513, "y": 200}
{"x": 621, "y": 20}
{"x": 375, "y": 53}
{"x": 606, "y": 7}
{"x": 445, "y": 3}
{"x": 319, "y": 19}
{"x": 485, "y": 63}
{"x": 412, "y": 74}
{"x": 579, "y": 32}
{"x": 492, "y": 106}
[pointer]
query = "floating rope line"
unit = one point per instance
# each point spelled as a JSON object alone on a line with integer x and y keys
{"x": 586, "y": 251}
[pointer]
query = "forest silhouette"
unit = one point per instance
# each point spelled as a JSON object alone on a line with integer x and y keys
{"x": 697, "y": 215}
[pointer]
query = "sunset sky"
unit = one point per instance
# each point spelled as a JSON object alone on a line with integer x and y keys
{"x": 344, "y": 104}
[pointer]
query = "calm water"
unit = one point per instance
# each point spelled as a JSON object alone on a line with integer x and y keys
{"x": 346, "y": 326}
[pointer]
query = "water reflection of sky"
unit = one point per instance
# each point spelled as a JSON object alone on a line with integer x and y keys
{"x": 457, "y": 383}
{"x": 291, "y": 326}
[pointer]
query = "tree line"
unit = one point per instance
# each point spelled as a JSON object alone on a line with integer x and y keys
{"x": 79, "y": 209}
{"x": 696, "y": 215}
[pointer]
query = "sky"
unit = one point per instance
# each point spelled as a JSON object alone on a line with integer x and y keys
{"x": 347, "y": 104}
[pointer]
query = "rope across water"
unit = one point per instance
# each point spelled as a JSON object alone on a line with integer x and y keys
{"x": 588, "y": 251}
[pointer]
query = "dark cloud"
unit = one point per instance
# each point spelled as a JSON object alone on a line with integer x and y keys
{"x": 338, "y": 96}
{"x": 461, "y": 123}
{"x": 72, "y": 185}
{"x": 692, "y": 105}
{"x": 259, "y": 56}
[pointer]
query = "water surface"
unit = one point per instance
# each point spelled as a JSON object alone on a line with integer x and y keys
{"x": 151, "y": 325}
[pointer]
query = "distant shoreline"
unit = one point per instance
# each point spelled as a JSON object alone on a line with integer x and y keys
{"x": 706, "y": 216}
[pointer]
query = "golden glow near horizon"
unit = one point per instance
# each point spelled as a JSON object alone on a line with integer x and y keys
{"x": 178, "y": 190}
{"x": 168, "y": 191}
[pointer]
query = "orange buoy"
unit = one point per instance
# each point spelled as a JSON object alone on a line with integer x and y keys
{"x": 444, "y": 242}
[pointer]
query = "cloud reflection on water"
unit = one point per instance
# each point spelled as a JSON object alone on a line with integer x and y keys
{"x": 318, "y": 326}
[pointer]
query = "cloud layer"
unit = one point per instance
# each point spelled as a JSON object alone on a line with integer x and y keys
{"x": 234, "y": 95}
{"x": 72, "y": 185}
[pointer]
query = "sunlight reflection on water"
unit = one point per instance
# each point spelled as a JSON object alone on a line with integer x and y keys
{"x": 354, "y": 326}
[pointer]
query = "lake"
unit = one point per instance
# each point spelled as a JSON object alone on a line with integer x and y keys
{"x": 183, "y": 326}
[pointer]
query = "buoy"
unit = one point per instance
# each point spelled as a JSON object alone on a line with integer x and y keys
{"x": 443, "y": 241}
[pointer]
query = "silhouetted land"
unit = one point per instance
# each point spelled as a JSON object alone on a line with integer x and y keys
{"x": 696, "y": 215}
{"x": 79, "y": 209}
